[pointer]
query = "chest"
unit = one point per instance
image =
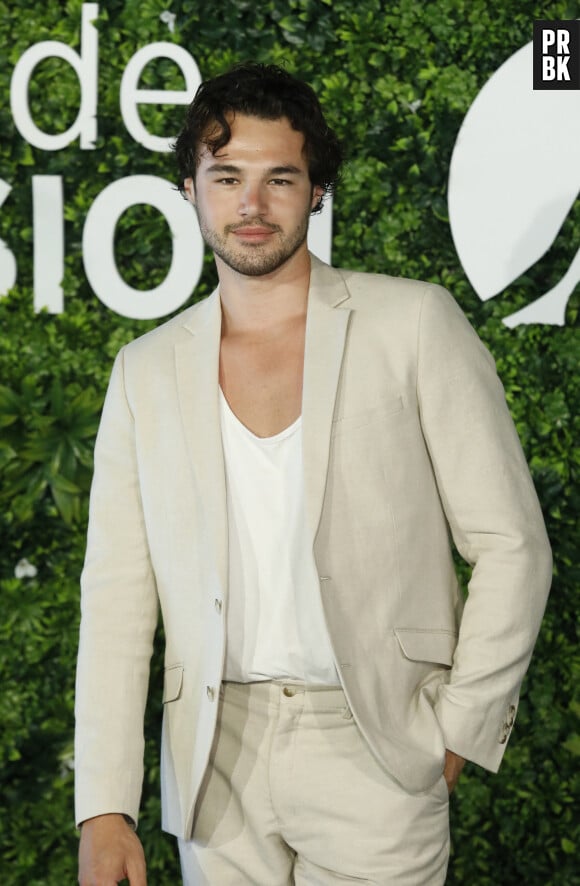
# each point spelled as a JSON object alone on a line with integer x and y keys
{"x": 261, "y": 378}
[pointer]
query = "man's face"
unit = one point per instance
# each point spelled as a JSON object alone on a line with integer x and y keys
{"x": 253, "y": 197}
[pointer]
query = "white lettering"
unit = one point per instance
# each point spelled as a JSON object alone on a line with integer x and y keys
{"x": 548, "y": 39}
{"x": 85, "y": 65}
{"x": 132, "y": 96}
{"x": 99, "y": 249}
{"x": 8, "y": 267}
{"x": 548, "y": 67}
{"x": 320, "y": 232}
{"x": 99, "y": 230}
{"x": 562, "y": 69}
{"x": 48, "y": 244}
{"x": 563, "y": 42}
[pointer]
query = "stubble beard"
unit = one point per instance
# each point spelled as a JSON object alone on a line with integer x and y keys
{"x": 254, "y": 259}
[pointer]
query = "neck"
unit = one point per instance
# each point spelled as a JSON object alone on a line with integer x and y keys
{"x": 251, "y": 304}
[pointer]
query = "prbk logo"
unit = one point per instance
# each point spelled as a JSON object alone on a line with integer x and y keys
{"x": 557, "y": 55}
{"x": 513, "y": 180}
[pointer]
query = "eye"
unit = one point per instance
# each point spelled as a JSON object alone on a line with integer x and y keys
{"x": 280, "y": 181}
{"x": 227, "y": 181}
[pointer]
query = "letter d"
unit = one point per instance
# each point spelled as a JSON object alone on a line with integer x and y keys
{"x": 84, "y": 63}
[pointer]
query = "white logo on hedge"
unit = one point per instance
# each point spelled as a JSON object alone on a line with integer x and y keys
{"x": 514, "y": 176}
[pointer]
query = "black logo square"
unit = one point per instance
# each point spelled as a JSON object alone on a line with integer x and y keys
{"x": 557, "y": 54}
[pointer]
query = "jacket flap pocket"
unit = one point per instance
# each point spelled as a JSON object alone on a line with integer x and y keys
{"x": 172, "y": 683}
{"x": 424, "y": 644}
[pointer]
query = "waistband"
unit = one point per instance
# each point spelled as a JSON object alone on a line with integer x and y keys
{"x": 283, "y": 692}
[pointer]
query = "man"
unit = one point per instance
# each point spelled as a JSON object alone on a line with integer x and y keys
{"x": 280, "y": 468}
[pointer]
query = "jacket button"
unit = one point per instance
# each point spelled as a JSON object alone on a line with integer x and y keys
{"x": 218, "y": 605}
{"x": 210, "y": 692}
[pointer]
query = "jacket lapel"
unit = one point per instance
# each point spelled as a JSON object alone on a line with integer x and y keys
{"x": 197, "y": 372}
{"x": 326, "y": 328}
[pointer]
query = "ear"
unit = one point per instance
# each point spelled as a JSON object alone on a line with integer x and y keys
{"x": 189, "y": 187}
{"x": 317, "y": 193}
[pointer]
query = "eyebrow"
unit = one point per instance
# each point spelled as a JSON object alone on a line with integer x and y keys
{"x": 228, "y": 169}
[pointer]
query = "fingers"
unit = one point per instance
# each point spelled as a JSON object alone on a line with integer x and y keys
{"x": 136, "y": 873}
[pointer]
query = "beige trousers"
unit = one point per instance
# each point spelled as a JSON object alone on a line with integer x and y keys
{"x": 293, "y": 795}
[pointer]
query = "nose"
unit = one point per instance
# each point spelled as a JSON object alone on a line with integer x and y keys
{"x": 252, "y": 200}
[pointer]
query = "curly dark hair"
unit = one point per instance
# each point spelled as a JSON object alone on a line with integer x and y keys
{"x": 264, "y": 91}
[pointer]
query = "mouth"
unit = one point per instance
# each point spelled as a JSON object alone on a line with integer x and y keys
{"x": 253, "y": 234}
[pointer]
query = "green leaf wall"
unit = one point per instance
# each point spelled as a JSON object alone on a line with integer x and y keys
{"x": 368, "y": 61}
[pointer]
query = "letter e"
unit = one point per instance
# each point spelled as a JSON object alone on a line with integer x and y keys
{"x": 131, "y": 95}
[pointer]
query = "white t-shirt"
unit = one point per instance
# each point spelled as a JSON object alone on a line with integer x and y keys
{"x": 275, "y": 623}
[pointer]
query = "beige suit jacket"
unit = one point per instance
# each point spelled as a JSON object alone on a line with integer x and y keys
{"x": 407, "y": 442}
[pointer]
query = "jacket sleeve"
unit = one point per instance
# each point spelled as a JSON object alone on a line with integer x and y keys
{"x": 497, "y": 526}
{"x": 118, "y": 618}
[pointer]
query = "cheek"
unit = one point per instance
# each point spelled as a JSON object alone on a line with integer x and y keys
{"x": 294, "y": 203}
{"x": 212, "y": 209}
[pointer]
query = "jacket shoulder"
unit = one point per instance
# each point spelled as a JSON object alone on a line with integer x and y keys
{"x": 373, "y": 287}
{"x": 175, "y": 330}
{"x": 400, "y": 298}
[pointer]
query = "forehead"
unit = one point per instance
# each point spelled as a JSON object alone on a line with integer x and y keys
{"x": 260, "y": 142}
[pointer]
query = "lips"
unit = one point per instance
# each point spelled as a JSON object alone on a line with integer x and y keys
{"x": 253, "y": 233}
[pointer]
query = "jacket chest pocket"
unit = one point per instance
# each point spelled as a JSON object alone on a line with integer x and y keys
{"x": 391, "y": 407}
